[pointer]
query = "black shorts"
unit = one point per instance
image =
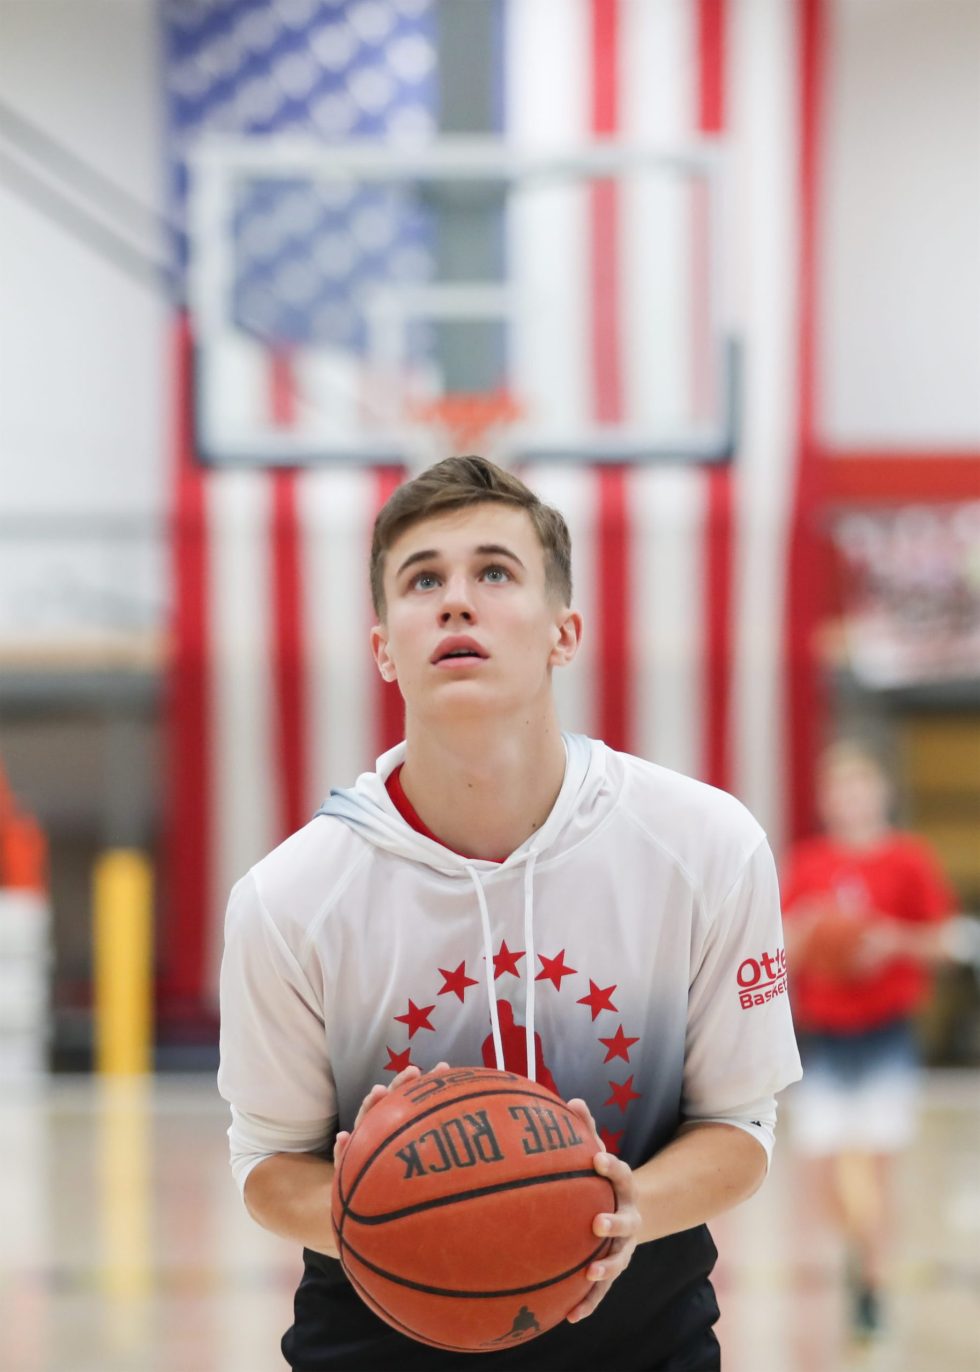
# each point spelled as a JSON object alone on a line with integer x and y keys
{"x": 657, "y": 1317}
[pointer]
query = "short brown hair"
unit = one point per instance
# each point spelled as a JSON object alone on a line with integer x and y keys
{"x": 848, "y": 752}
{"x": 454, "y": 484}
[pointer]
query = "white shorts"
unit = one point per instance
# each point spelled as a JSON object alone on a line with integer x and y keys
{"x": 859, "y": 1093}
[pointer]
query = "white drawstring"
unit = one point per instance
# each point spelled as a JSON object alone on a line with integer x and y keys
{"x": 529, "y": 965}
{"x": 498, "y": 1047}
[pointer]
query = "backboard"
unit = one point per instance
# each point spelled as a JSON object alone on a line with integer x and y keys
{"x": 338, "y": 293}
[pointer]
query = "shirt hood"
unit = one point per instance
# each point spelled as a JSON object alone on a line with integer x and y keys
{"x": 367, "y": 808}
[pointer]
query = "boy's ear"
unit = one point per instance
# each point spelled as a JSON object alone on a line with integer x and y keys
{"x": 569, "y": 637}
{"x": 379, "y": 647}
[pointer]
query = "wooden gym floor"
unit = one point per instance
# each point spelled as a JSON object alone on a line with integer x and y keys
{"x": 124, "y": 1247}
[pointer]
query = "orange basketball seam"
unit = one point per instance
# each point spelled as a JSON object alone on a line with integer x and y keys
{"x": 493, "y": 1188}
{"x": 372, "y": 1302}
{"x": 598, "y": 1252}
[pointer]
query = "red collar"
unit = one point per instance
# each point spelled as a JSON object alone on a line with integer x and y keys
{"x": 411, "y": 817}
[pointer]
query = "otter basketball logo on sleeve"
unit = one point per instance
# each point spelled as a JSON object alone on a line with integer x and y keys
{"x": 761, "y": 979}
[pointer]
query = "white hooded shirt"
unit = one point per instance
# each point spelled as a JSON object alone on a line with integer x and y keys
{"x": 630, "y": 953}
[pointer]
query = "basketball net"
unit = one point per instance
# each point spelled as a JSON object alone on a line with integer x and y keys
{"x": 461, "y": 423}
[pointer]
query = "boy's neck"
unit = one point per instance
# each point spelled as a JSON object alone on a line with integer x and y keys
{"x": 484, "y": 791}
{"x": 860, "y": 837}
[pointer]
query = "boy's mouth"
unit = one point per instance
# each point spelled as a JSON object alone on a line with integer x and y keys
{"x": 458, "y": 647}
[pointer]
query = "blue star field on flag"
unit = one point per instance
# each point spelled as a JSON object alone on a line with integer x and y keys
{"x": 305, "y": 252}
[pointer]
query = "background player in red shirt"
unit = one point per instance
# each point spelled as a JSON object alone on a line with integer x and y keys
{"x": 865, "y": 906}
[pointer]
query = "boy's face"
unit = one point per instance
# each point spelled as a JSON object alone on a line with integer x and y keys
{"x": 852, "y": 797}
{"x": 470, "y": 626}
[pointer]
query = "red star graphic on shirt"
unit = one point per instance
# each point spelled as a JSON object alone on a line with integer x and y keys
{"x": 505, "y": 961}
{"x": 619, "y": 1046}
{"x": 598, "y": 999}
{"x": 622, "y": 1094}
{"x": 456, "y": 981}
{"x": 610, "y": 1141}
{"x": 397, "y": 1062}
{"x": 416, "y": 1017}
{"x": 553, "y": 969}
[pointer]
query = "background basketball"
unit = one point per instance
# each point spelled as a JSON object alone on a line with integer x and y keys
{"x": 463, "y": 1209}
{"x": 833, "y": 943}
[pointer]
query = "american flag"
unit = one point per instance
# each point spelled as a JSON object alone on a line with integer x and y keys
{"x": 696, "y": 585}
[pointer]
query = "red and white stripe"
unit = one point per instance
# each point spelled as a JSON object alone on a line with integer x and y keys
{"x": 694, "y": 584}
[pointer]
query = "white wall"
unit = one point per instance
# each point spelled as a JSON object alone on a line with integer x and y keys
{"x": 84, "y": 412}
{"x": 900, "y": 307}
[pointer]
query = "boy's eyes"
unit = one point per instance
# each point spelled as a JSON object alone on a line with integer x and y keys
{"x": 494, "y": 573}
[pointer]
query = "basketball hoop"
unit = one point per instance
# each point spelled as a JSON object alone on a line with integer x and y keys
{"x": 463, "y": 422}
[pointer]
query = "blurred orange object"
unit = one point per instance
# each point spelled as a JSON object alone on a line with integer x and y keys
{"x": 23, "y": 846}
{"x": 832, "y": 944}
{"x": 23, "y": 854}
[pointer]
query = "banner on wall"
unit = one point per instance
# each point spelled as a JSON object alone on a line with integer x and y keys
{"x": 911, "y": 589}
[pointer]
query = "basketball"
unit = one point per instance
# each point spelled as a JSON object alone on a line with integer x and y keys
{"x": 463, "y": 1209}
{"x": 833, "y": 944}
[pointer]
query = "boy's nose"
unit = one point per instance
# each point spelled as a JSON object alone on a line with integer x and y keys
{"x": 456, "y": 602}
{"x": 452, "y": 611}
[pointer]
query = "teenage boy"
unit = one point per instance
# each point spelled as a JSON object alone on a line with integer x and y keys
{"x": 499, "y": 891}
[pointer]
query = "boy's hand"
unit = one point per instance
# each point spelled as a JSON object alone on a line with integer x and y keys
{"x": 375, "y": 1094}
{"x": 623, "y": 1225}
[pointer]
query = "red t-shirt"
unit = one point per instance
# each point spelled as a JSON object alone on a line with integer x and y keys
{"x": 898, "y": 878}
